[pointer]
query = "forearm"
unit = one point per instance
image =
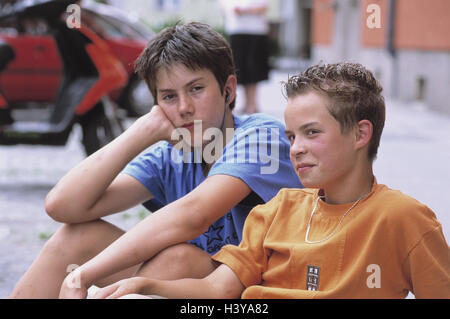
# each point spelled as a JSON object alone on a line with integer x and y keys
{"x": 78, "y": 191}
{"x": 158, "y": 231}
{"x": 260, "y": 10}
{"x": 178, "y": 222}
{"x": 221, "y": 283}
{"x": 186, "y": 288}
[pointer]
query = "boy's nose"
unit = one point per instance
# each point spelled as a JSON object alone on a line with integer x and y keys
{"x": 185, "y": 106}
{"x": 297, "y": 147}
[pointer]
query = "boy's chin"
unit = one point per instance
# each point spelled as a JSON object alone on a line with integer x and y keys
{"x": 190, "y": 146}
{"x": 310, "y": 184}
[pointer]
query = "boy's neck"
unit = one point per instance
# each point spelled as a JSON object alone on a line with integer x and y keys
{"x": 227, "y": 123}
{"x": 355, "y": 186}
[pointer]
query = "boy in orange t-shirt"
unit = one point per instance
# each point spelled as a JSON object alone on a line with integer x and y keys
{"x": 345, "y": 236}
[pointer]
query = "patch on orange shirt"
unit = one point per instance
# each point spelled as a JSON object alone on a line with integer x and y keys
{"x": 312, "y": 277}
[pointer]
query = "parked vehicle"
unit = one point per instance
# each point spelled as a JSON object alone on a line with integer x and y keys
{"x": 36, "y": 73}
{"x": 90, "y": 72}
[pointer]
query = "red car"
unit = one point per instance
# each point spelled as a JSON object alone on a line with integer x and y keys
{"x": 36, "y": 77}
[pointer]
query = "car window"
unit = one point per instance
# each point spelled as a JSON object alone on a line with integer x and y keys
{"x": 109, "y": 27}
{"x": 100, "y": 25}
{"x": 8, "y": 30}
{"x": 129, "y": 29}
{"x": 9, "y": 27}
{"x": 34, "y": 26}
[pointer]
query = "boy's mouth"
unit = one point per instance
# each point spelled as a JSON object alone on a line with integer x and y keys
{"x": 303, "y": 167}
{"x": 189, "y": 125}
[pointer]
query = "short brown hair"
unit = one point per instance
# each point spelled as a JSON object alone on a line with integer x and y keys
{"x": 195, "y": 45}
{"x": 353, "y": 91}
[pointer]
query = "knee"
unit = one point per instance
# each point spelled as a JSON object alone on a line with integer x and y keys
{"x": 171, "y": 262}
{"x": 70, "y": 239}
{"x": 179, "y": 254}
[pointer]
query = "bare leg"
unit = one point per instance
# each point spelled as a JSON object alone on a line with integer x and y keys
{"x": 178, "y": 261}
{"x": 175, "y": 262}
{"x": 71, "y": 244}
{"x": 251, "y": 104}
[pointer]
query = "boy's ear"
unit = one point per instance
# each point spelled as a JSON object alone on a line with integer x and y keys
{"x": 364, "y": 131}
{"x": 230, "y": 87}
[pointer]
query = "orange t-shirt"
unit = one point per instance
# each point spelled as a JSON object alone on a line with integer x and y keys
{"x": 387, "y": 245}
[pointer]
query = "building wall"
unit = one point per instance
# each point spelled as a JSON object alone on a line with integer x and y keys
{"x": 416, "y": 69}
{"x": 335, "y": 30}
{"x": 374, "y": 37}
{"x": 322, "y": 22}
{"x": 424, "y": 76}
{"x": 423, "y": 25}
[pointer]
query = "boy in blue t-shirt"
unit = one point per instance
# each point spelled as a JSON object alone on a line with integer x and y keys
{"x": 257, "y": 155}
{"x": 200, "y": 167}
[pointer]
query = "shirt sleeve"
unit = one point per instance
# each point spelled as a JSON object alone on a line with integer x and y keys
{"x": 429, "y": 266}
{"x": 249, "y": 260}
{"x": 149, "y": 168}
{"x": 259, "y": 156}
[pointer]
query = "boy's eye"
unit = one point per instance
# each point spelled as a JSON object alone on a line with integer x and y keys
{"x": 168, "y": 97}
{"x": 197, "y": 88}
{"x": 311, "y": 132}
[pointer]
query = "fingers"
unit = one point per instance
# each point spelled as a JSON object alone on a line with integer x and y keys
{"x": 158, "y": 108}
{"x": 135, "y": 296}
{"x": 72, "y": 288}
{"x": 106, "y": 292}
{"x": 118, "y": 289}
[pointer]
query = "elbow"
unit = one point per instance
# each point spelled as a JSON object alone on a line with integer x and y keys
{"x": 197, "y": 223}
{"x": 192, "y": 219}
{"x": 56, "y": 210}
{"x": 52, "y": 208}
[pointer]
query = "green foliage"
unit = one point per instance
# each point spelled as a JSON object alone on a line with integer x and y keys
{"x": 45, "y": 235}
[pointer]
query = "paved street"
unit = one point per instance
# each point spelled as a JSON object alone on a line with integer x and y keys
{"x": 413, "y": 157}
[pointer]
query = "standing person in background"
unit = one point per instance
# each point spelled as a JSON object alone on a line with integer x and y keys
{"x": 247, "y": 27}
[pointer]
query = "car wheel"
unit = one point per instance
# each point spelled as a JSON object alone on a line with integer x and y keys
{"x": 100, "y": 126}
{"x": 138, "y": 99}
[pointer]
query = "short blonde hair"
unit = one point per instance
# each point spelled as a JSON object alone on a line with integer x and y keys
{"x": 353, "y": 92}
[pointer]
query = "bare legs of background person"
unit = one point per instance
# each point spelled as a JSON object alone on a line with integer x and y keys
{"x": 251, "y": 103}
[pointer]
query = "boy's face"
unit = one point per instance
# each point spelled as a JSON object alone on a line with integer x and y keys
{"x": 321, "y": 154}
{"x": 194, "y": 95}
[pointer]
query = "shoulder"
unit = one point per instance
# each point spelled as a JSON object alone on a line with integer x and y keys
{"x": 160, "y": 149}
{"x": 294, "y": 196}
{"x": 404, "y": 212}
{"x": 259, "y": 127}
{"x": 161, "y": 156}
{"x": 399, "y": 204}
{"x": 257, "y": 120}
{"x": 283, "y": 203}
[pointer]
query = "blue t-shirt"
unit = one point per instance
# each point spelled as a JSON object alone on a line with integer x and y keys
{"x": 257, "y": 153}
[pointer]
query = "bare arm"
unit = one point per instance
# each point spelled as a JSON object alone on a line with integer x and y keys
{"x": 175, "y": 223}
{"x": 259, "y": 10}
{"x": 221, "y": 284}
{"x": 92, "y": 189}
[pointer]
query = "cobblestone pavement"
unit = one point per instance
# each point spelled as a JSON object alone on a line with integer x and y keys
{"x": 413, "y": 156}
{"x": 27, "y": 173}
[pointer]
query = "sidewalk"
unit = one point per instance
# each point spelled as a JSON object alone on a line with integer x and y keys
{"x": 413, "y": 157}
